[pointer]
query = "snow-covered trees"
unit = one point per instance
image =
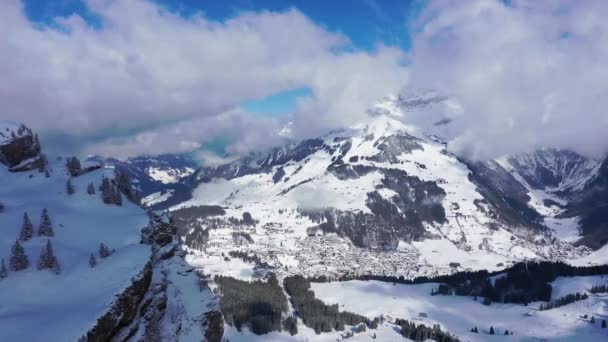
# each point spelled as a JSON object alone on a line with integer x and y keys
{"x": 4, "y": 272}
{"x": 123, "y": 185}
{"x": 48, "y": 260}
{"x": 73, "y": 166}
{"x": 109, "y": 192}
{"x": 27, "y": 229}
{"x": 46, "y": 227}
{"x": 69, "y": 187}
{"x": 19, "y": 260}
{"x": 91, "y": 189}
{"x": 92, "y": 260}
{"x": 104, "y": 251}
{"x": 113, "y": 189}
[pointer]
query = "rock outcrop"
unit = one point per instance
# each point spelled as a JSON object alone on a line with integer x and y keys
{"x": 171, "y": 301}
{"x": 20, "y": 148}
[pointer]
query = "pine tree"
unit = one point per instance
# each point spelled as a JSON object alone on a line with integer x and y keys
{"x": 46, "y": 227}
{"x": 603, "y": 321}
{"x": 491, "y": 330}
{"x": 90, "y": 189}
{"x": 107, "y": 194}
{"x": 69, "y": 187}
{"x": 4, "y": 274}
{"x": 48, "y": 260}
{"x": 104, "y": 251}
{"x": 506, "y": 332}
{"x": 92, "y": 261}
{"x": 123, "y": 185}
{"x": 19, "y": 260}
{"x": 73, "y": 166}
{"x": 592, "y": 320}
{"x": 27, "y": 229}
{"x": 117, "y": 197}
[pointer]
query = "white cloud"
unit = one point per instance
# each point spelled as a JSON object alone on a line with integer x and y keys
{"x": 527, "y": 75}
{"x": 147, "y": 67}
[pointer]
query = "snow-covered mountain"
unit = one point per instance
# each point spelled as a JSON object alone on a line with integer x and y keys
{"x": 161, "y": 180}
{"x": 383, "y": 186}
{"x": 74, "y": 267}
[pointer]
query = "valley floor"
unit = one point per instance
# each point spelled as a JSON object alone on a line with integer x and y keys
{"x": 459, "y": 314}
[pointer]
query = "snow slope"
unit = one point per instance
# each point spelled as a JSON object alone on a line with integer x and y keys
{"x": 39, "y": 305}
{"x": 459, "y": 314}
{"x": 338, "y": 172}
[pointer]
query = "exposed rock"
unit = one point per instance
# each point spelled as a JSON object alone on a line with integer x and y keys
{"x": 123, "y": 310}
{"x": 20, "y": 149}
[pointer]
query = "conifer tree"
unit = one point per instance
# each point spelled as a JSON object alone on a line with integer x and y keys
{"x": 603, "y": 321}
{"x": 4, "y": 273}
{"x": 104, "y": 251}
{"x": 117, "y": 197}
{"x": 48, "y": 260}
{"x": 90, "y": 189}
{"x": 46, "y": 227}
{"x": 92, "y": 261}
{"x": 592, "y": 320}
{"x": 73, "y": 166}
{"x": 506, "y": 332}
{"x": 27, "y": 229}
{"x": 19, "y": 260}
{"x": 69, "y": 187}
{"x": 106, "y": 191}
{"x": 491, "y": 330}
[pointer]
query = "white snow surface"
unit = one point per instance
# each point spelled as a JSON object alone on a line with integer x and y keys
{"x": 168, "y": 176}
{"x": 157, "y": 197}
{"x": 41, "y": 306}
{"x": 458, "y": 314}
{"x": 465, "y": 238}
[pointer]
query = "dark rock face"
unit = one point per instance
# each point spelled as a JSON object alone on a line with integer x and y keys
{"x": 21, "y": 152}
{"x": 549, "y": 168}
{"x": 398, "y": 218}
{"x": 214, "y": 326}
{"x": 592, "y": 207}
{"x": 508, "y": 198}
{"x": 393, "y": 146}
{"x": 123, "y": 310}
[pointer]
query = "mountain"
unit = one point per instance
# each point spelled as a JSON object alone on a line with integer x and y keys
{"x": 161, "y": 181}
{"x": 592, "y": 208}
{"x": 57, "y": 282}
{"x": 382, "y": 186}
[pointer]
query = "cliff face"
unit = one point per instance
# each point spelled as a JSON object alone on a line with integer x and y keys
{"x": 19, "y": 148}
{"x": 124, "y": 308}
{"x": 169, "y": 301}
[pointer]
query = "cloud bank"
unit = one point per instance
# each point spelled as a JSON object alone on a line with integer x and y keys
{"x": 177, "y": 82}
{"x": 524, "y": 74}
{"x": 528, "y": 74}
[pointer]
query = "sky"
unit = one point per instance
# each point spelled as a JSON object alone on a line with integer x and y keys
{"x": 225, "y": 78}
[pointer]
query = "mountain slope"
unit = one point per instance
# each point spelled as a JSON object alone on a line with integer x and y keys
{"x": 376, "y": 187}
{"x": 39, "y": 305}
{"x": 161, "y": 181}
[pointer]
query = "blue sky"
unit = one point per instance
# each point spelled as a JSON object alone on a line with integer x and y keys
{"x": 365, "y": 22}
